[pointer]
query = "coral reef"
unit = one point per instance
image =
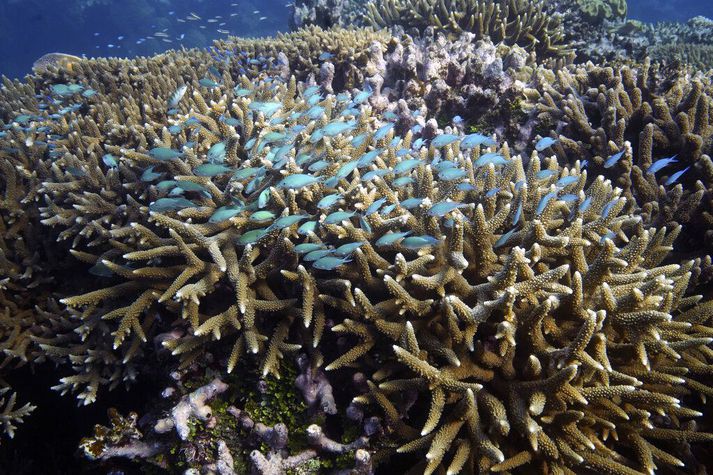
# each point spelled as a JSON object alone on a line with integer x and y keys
{"x": 649, "y": 114}
{"x": 596, "y": 11}
{"x": 519, "y": 22}
{"x": 326, "y": 13}
{"x": 338, "y": 248}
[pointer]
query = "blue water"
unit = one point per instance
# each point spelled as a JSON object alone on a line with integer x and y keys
{"x": 31, "y": 28}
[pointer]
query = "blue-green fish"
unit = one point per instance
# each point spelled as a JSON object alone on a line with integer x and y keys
{"x": 205, "y": 82}
{"x": 318, "y": 254}
{"x": 368, "y": 158}
{"x": 338, "y": 217}
{"x": 370, "y": 175}
{"x": 567, "y": 180}
{"x": 211, "y": 169}
{"x": 318, "y": 166}
{"x": 406, "y": 166}
{"x": 253, "y": 236}
{"x": 296, "y": 181}
{"x": 330, "y": 262}
{"x": 310, "y": 91}
{"x": 444, "y": 207}
{"x": 661, "y": 163}
{"x": 466, "y": 187}
{"x": 216, "y": 154}
{"x": 307, "y": 247}
{"x": 390, "y": 238}
{"x": 444, "y": 139}
{"x": 150, "y": 175}
{"x": 545, "y": 142}
{"x": 329, "y": 201}
{"x": 263, "y": 198}
{"x": 171, "y": 204}
{"x": 410, "y": 203}
{"x": 346, "y": 169}
{"x": 474, "y": 140}
{"x": 267, "y": 108}
{"x": 608, "y": 207}
{"x": 308, "y": 227}
{"x": 359, "y": 140}
{"x": 383, "y": 130}
{"x": 452, "y": 174}
{"x": 287, "y": 221}
{"x": 504, "y": 238}
{"x": 611, "y": 161}
{"x": 374, "y": 207}
{"x": 490, "y": 157}
{"x": 246, "y": 173}
{"x": 387, "y": 209}
{"x": 163, "y": 153}
{"x": 417, "y": 242}
{"x": 361, "y": 97}
{"x": 544, "y": 174}
{"x": 402, "y": 181}
{"x": 674, "y": 178}
{"x": 225, "y": 212}
{"x": 543, "y": 202}
{"x": 241, "y": 92}
{"x": 335, "y": 128}
{"x": 346, "y": 249}
{"x": 260, "y": 216}
{"x": 110, "y": 161}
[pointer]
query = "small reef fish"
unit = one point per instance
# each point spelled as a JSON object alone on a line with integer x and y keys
{"x": 225, "y": 212}
{"x": 338, "y": 216}
{"x": 346, "y": 249}
{"x": 474, "y": 140}
{"x": 490, "y": 157}
{"x": 418, "y": 242}
{"x": 177, "y": 96}
{"x": 444, "y": 139}
{"x": 164, "y": 153}
{"x": 444, "y": 207}
{"x": 330, "y": 262}
{"x": 544, "y": 143}
{"x": 217, "y": 153}
{"x": 298, "y": 180}
{"x": 661, "y": 163}
{"x": 674, "y": 178}
{"x": 307, "y": 247}
{"x": 390, "y": 238}
{"x": 611, "y": 161}
{"x": 211, "y": 169}
{"x": 171, "y": 204}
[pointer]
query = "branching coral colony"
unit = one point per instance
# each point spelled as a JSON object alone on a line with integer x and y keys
{"x": 486, "y": 310}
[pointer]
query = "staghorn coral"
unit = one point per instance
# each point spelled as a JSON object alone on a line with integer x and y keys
{"x": 326, "y": 13}
{"x": 347, "y": 49}
{"x": 698, "y": 56}
{"x": 518, "y": 294}
{"x": 595, "y": 11}
{"x": 515, "y": 22}
{"x": 483, "y": 285}
{"x": 647, "y": 112}
{"x": 9, "y": 414}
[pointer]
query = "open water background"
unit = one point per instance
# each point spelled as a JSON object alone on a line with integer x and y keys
{"x": 31, "y": 28}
